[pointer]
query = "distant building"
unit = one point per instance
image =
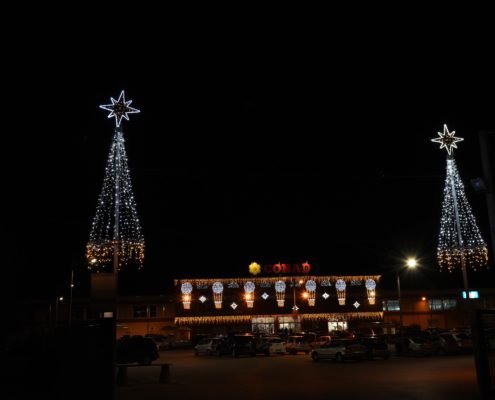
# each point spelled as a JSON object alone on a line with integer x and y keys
{"x": 274, "y": 304}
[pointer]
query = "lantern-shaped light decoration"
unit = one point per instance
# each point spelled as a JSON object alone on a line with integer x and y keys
{"x": 340, "y": 287}
{"x": 311, "y": 289}
{"x": 186, "y": 289}
{"x": 280, "y": 292}
{"x": 249, "y": 293}
{"x": 217, "y": 294}
{"x": 370, "y": 288}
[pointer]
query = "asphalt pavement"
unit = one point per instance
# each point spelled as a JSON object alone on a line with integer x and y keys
{"x": 298, "y": 377}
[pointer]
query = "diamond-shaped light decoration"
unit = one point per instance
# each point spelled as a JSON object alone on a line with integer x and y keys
{"x": 234, "y": 305}
{"x": 265, "y": 296}
{"x": 325, "y": 295}
{"x": 295, "y": 308}
{"x": 356, "y": 304}
{"x": 202, "y": 299}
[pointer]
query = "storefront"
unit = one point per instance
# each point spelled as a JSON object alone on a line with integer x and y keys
{"x": 272, "y": 304}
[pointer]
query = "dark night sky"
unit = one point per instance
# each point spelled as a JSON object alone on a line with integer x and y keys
{"x": 246, "y": 149}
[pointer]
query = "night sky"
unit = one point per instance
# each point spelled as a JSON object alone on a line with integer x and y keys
{"x": 246, "y": 149}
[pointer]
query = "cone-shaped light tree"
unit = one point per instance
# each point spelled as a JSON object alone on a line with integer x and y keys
{"x": 460, "y": 243}
{"x": 116, "y": 234}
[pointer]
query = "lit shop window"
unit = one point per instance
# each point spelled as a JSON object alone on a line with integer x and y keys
{"x": 442, "y": 304}
{"x": 390, "y": 305}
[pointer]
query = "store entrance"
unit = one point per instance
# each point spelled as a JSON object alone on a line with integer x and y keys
{"x": 289, "y": 324}
{"x": 337, "y": 326}
{"x": 264, "y": 325}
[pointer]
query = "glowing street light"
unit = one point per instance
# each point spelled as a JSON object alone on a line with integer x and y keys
{"x": 411, "y": 263}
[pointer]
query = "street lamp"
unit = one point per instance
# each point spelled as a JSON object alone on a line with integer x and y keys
{"x": 57, "y": 300}
{"x": 411, "y": 263}
{"x": 295, "y": 308}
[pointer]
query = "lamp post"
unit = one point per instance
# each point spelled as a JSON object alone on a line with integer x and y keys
{"x": 70, "y": 301}
{"x": 411, "y": 263}
{"x": 57, "y": 300}
{"x": 295, "y": 308}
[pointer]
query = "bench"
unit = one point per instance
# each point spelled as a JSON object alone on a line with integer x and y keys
{"x": 122, "y": 372}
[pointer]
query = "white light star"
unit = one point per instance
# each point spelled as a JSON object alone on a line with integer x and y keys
{"x": 447, "y": 139}
{"x": 119, "y": 108}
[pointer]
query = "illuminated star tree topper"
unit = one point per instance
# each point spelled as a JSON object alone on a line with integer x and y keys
{"x": 447, "y": 140}
{"x": 119, "y": 108}
{"x": 460, "y": 243}
{"x": 116, "y": 234}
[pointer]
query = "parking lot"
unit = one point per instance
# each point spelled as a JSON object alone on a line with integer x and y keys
{"x": 298, "y": 377}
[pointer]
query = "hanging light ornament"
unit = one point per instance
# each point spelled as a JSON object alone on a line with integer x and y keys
{"x": 249, "y": 293}
{"x": 186, "y": 289}
{"x": 370, "y": 285}
{"x": 311, "y": 289}
{"x": 340, "y": 287}
{"x": 217, "y": 288}
{"x": 280, "y": 292}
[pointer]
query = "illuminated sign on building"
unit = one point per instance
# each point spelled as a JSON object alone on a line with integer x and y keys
{"x": 279, "y": 268}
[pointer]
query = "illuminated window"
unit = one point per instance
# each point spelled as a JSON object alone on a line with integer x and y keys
{"x": 442, "y": 304}
{"x": 473, "y": 294}
{"x": 449, "y": 304}
{"x": 263, "y": 325}
{"x": 390, "y": 305}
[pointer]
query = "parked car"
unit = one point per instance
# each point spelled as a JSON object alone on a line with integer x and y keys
{"x": 375, "y": 347}
{"x": 445, "y": 343}
{"x": 339, "y": 350}
{"x": 162, "y": 341}
{"x": 138, "y": 349}
{"x": 241, "y": 344}
{"x": 464, "y": 341}
{"x": 414, "y": 346}
{"x": 320, "y": 341}
{"x": 275, "y": 345}
{"x": 207, "y": 346}
{"x": 297, "y": 344}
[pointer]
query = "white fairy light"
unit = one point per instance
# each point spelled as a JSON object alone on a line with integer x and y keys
{"x": 186, "y": 289}
{"x": 249, "y": 293}
{"x": 340, "y": 286}
{"x": 116, "y": 227}
{"x": 356, "y": 304}
{"x": 217, "y": 288}
{"x": 202, "y": 299}
{"x": 370, "y": 285}
{"x": 234, "y": 305}
{"x": 265, "y": 296}
{"x": 311, "y": 289}
{"x": 280, "y": 292}
{"x": 460, "y": 243}
{"x": 325, "y": 295}
{"x": 119, "y": 108}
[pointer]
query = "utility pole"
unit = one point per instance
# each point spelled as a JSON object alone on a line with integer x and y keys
{"x": 486, "y": 160}
{"x": 70, "y": 299}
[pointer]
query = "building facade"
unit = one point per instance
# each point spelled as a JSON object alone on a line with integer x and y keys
{"x": 284, "y": 303}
